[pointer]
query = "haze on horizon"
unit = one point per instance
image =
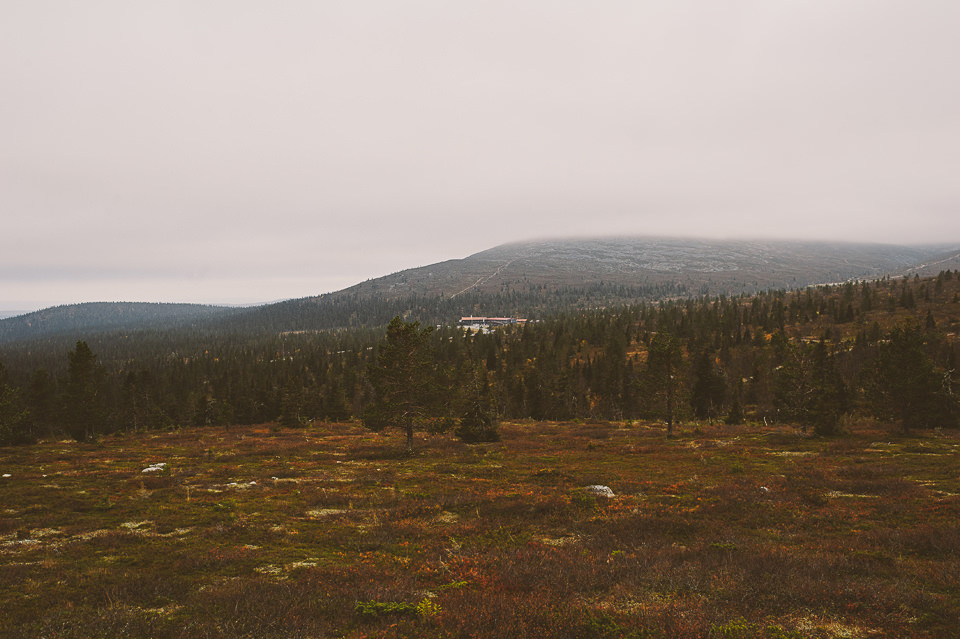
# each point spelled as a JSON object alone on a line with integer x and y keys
{"x": 238, "y": 152}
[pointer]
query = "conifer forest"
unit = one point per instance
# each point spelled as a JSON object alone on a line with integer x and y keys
{"x": 816, "y": 357}
{"x": 780, "y": 465}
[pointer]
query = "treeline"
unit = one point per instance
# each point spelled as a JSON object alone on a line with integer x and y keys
{"x": 357, "y": 309}
{"x": 95, "y": 317}
{"x": 813, "y": 357}
{"x": 41, "y": 332}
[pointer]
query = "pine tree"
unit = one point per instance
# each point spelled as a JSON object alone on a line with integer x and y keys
{"x": 794, "y": 390}
{"x": 906, "y": 386}
{"x": 406, "y": 390}
{"x": 661, "y": 381}
{"x": 14, "y": 422}
{"x": 709, "y": 387}
{"x": 478, "y": 422}
{"x": 829, "y": 400}
{"x": 736, "y": 414}
{"x": 83, "y": 409}
{"x": 41, "y": 401}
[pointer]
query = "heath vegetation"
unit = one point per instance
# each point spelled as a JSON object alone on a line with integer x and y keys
{"x": 333, "y": 531}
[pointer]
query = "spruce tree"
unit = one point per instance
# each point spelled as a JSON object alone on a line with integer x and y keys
{"x": 83, "y": 409}
{"x": 709, "y": 387}
{"x": 14, "y": 422}
{"x": 406, "y": 389}
{"x": 661, "y": 381}
{"x": 907, "y": 387}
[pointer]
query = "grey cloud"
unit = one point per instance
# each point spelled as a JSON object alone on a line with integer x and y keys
{"x": 355, "y": 139}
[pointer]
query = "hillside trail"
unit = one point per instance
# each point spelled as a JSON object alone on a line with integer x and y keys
{"x": 484, "y": 280}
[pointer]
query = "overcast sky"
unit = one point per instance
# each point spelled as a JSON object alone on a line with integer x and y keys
{"x": 237, "y": 151}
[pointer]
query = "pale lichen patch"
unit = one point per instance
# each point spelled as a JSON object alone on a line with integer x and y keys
{"x": 566, "y": 540}
{"x": 446, "y": 518}
{"x": 834, "y": 494}
{"x": 326, "y": 512}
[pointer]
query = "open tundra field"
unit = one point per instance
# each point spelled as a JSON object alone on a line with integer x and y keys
{"x": 332, "y": 531}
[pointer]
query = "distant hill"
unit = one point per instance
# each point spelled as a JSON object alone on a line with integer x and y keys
{"x": 541, "y": 278}
{"x": 932, "y": 266}
{"x": 713, "y": 266}
{"x": 94, "y": 317}
{"x": 526, "y": 279}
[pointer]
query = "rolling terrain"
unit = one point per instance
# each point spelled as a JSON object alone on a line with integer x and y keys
{"x": 532, "y": 279}
{"x": 708, "y": 266}
{"x": 782, "y": 465}
{"x": 98, "y": 317}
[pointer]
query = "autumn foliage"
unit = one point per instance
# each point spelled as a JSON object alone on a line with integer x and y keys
{"x": 724, "y": 531}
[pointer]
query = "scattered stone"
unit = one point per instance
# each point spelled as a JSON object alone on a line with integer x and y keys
{"x": 241, "y": 485}
{"x": 600, "y": 491}
{"x": 154, "y": 468}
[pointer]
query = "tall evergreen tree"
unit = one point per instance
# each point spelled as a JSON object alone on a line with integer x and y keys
{"x": 709, "y": 387}
{"x": 906, "y": 386}
{"x": 662, "y": 378}
{"x": 794, "y": 391}
{"x": 829, "y": 400}
{"x": 478, "y": 422}
{"x": 407, "y": 393}
{"x": 14, "y": 422}
{"x": 83, "y": 410}
{"x": 41, "y": 401}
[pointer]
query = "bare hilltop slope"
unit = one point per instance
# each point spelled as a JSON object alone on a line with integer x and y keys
{"x": 533, "y": 278}
{"x": 715, "y": 266}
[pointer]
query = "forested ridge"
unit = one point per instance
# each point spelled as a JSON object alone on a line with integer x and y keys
{"x": 94, "y": 317}
{"x": 532, "y": 279}
{"x": 820, "y": 357}
{"x": 351, "y": 308}
{"x": 355, "y": 309}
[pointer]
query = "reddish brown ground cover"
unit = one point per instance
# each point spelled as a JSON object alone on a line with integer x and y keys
{"x": 332, "y": 531}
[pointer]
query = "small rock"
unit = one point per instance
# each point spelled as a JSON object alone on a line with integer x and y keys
{"x": 600, "y": 491}
{"x": 154, "y": 468}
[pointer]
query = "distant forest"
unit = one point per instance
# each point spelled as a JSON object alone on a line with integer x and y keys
{"x": 820, "y": 358}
